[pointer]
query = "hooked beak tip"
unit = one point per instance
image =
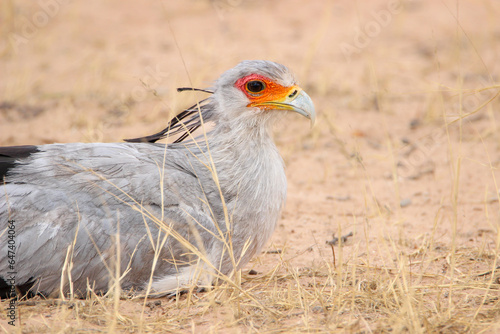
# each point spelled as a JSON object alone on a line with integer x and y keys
{"x": 304, "y": 105}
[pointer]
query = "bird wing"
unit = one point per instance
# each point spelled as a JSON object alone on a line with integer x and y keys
{"x": 68, "y": 201}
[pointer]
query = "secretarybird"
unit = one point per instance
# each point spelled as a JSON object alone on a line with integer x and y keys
{"x": 156, "y": 217}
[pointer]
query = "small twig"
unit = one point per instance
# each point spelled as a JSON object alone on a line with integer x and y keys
{"x": 487, "y": 272}
{"x": 333, "y": 253}
{"x": 335, "y": 240}
{"x": 274, "y": 251}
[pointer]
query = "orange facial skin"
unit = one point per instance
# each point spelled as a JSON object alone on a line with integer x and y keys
{"x": 272, "y": 92}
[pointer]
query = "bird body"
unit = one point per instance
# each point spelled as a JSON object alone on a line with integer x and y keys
{"x": 164, "y": 215}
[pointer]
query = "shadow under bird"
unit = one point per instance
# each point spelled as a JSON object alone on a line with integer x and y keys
{"x": 155, "y": 217}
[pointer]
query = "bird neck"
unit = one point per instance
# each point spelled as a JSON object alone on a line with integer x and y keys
{"x": 248, "y": 161}
{"x": 246, "y": 128}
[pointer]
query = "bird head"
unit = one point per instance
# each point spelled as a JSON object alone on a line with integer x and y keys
{"x": 250, "y": 93}
{"x": 258, "y": 88}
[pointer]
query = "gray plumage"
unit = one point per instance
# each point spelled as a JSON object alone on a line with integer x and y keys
{"x": 222, "y": 195}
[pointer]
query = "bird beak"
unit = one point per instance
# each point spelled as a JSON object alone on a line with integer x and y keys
{"x": 303, "y": 105}
{"x": 296, "y": 100}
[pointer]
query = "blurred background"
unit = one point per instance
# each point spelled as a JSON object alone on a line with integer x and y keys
{"x": 104, "y": 70}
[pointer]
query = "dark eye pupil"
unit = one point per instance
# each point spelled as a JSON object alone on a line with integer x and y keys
{"x": 255, "y": 86}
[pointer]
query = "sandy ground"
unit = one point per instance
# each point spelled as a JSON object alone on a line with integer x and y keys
{"x": 385, "y": 160}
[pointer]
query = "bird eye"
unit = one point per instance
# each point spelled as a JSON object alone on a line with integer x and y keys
{"x": 255, "y": 86}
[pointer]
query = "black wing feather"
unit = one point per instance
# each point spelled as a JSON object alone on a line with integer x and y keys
{"x": 10, "y": 155}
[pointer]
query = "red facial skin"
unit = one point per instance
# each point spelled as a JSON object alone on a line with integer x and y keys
{"x": 272, "y": 92}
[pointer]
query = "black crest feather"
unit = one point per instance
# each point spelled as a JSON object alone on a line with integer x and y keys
{"x": 184, "y": 123}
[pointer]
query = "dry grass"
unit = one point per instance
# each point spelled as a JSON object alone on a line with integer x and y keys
{"x": 353, "y": 298}
{"x": 405, "y": 155}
